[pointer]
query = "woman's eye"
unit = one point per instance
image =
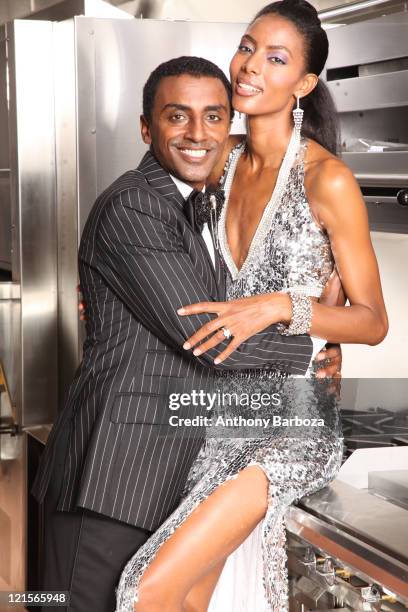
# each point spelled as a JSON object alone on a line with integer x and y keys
{"x": 276, "y": 60}
{"x": 244, "y": 49}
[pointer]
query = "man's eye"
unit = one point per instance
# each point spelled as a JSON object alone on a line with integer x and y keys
{"x": 213, "y": 117}
{"x": 177, "y": 117}
{"x": 244, "y": 49}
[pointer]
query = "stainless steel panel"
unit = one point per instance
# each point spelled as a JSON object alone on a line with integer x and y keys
{"x": 13, "y": 9}
{"x": 86, "y": 117}
{"x": 4, "y": 144}
{"x": 331, "y": 11}
{"x": 33, "y": 193}
{"x": 391, "y": 484}
{"x": 382, "y": 169}
{"x": 370, "y": 41}
{"x": 10, "y": 349}
{"x": 386, "y": 125}
{"x": 5, "y": 221}
{"x": 373, "y": 106}
{"x": 379, "y": 91}
{"x": 5, "y": 211}
{"x": 67, "y": 205}
{"x": 361, "y": 530}
{"x": 59, "y": 11}
{"x": 383, "y": 67}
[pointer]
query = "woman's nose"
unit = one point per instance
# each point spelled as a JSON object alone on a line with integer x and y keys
{"x": 253, "y": 64}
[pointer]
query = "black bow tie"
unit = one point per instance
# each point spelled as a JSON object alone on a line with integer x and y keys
{"x": 200, "y": 206}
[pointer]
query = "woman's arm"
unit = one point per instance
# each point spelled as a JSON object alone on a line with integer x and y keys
{"x": 341, "y": 211}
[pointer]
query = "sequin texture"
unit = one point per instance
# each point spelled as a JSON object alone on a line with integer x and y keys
{"x": 292, "y": 253}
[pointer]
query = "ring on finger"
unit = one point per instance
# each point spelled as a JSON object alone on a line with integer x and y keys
{"x": 227, "y": 332}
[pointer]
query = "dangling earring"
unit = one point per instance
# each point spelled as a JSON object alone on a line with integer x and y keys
{"x": 298, "y": 118}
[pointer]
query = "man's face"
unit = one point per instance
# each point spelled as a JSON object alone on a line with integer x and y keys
{"x": 189, "y": 126}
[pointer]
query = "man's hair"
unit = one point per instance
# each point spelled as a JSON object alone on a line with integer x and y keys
{"x": 194, "y": 66}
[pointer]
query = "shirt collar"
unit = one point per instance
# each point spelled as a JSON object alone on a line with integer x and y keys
{"x": 183, "y": 188}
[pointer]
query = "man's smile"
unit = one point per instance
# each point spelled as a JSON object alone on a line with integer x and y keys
{"x": 193, "y": 155}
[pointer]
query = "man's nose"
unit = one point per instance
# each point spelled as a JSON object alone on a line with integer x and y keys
{"x": 196, "y": 130}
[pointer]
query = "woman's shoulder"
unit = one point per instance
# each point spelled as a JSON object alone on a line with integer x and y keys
{"x": 330, "y": 185}
{"x": 325, "y": 171}
{"x": 218, "y": 170}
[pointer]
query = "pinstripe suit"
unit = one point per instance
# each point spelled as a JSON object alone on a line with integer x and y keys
{"x": 139, "y": 260}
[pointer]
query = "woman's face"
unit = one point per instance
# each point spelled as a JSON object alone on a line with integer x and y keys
{"x": 268, "y": 67}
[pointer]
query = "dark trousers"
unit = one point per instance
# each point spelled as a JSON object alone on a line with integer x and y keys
{"x": 84, "y": 552}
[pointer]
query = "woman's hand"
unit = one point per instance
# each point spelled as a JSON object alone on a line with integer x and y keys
{"x": 243, "y": 318}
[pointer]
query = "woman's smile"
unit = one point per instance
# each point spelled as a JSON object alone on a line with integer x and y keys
{"x": 246, "y": 88}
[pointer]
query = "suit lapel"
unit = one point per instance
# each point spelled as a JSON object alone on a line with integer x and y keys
{"x": 161, "y": 181}
{"x": 220, "y": 275}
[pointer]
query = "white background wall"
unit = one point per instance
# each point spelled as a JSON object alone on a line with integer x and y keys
{"x": 388, "y": 359}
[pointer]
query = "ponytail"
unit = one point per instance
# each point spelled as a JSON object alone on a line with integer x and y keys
{"x": 320, "y": 118}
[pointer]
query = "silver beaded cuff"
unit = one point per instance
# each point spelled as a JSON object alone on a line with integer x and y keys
{"x": 301, "y": 315}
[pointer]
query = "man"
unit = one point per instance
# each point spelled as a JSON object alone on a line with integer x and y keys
{"x": 109, "y": 475}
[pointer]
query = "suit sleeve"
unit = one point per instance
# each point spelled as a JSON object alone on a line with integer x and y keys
{"x": 141, "y": 256}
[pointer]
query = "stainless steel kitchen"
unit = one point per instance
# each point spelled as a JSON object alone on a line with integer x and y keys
{"x": 71, "y": 79}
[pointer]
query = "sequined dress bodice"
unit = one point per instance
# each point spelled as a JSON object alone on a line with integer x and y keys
{"x": 289, "y": 251}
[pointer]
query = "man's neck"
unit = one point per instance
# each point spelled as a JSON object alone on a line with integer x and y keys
{"x": 184, "y": 188}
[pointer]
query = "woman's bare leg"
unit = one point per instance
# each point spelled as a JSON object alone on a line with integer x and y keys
{"x": 199, "y": 597}
{"x": 202, "y": 542}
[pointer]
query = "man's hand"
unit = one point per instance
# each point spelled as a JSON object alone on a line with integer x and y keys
{"x": 81, "y": 305}
{"x": 329, "y": 362}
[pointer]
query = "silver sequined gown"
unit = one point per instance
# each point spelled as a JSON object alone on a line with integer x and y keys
{"x": 288, "y": 251}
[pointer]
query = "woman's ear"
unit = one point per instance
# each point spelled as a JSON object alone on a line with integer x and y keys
{"x": 308, "y": 84}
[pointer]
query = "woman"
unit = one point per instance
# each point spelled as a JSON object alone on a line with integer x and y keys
{"x": 279, "y": 256}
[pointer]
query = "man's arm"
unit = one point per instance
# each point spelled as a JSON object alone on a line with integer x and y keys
{"x": 142, "y": 258}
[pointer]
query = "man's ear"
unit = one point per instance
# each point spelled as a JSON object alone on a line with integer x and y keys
{"x": 145, "y": 130}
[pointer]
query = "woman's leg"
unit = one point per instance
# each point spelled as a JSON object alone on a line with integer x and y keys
{"x": 202, "y": 542}
{"x": 199, "y": 596}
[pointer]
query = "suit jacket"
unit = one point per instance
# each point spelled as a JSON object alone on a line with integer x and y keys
{"x": 139, "y": 261}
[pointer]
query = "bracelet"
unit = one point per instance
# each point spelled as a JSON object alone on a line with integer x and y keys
{"x": 301, "y": 320}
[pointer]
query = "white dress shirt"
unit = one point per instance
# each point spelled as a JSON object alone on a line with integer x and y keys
{"x": 185, "y": 191}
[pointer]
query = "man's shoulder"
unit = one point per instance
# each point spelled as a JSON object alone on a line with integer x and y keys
{"x": 130, "y": 190}
{"x": 131, "y": 180}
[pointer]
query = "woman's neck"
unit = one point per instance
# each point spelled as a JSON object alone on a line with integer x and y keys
{"x": 267, "y": 140}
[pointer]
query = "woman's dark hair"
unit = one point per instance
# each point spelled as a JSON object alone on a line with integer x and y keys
{"x": 320, "y": 119}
